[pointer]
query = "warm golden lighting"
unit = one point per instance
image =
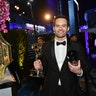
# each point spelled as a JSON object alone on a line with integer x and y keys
{"x": 47, "y": 16}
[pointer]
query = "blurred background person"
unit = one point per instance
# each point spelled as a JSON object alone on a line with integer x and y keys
{"x": 37, "y": 47}
{"x": 74, "y": 37}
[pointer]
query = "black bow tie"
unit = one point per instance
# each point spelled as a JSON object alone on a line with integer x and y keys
{"x": 63, "y": 43}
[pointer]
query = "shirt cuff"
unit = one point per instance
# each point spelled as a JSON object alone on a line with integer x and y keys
{"x": 80, "y": 73}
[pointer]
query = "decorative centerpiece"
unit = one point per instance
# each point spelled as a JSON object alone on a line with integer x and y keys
{"x": 5, "y": 48}
{"x": 5, "y": 56}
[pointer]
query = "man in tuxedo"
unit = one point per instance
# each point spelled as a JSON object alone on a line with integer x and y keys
{"x": 61, "y": 76}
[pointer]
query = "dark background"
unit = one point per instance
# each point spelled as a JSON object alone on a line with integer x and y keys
{"x": 40, "y": 7}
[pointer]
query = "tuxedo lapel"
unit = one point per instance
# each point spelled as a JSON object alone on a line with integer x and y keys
{"x": 53, "y": 56}
{"x": 68, "y": 45}
{"x": 68, "y": 49}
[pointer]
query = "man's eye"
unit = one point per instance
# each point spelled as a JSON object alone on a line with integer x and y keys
{"x": 57, "y": 25}
{"x": 61, "y": 25}
{"x": 64, "y": 25}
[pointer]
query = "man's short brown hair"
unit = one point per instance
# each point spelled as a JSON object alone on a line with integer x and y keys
{"x": 60, "y": 16}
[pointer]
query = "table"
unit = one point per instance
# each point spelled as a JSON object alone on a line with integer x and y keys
{"x": 7, "y": 85}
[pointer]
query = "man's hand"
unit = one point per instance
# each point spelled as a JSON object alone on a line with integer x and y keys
{"x": 75, "y": 69}
{"x": 38, "y": 65}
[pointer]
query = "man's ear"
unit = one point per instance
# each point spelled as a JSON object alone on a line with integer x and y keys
{"x": 53, "y": 28}
{"x": 68, "y": 28}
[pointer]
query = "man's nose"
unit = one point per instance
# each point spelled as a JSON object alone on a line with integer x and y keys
{"x": 60, "y": 27}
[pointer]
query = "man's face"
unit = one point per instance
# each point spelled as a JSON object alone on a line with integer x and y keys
{"x": 40, "y": 42}
{"x": 60, "y": 28}
{"x": 74, "y": 38}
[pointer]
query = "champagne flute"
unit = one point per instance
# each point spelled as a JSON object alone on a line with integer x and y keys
{"x": 73, "y": 57}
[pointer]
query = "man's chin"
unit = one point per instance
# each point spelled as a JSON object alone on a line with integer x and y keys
{"x": 61, "y": 36}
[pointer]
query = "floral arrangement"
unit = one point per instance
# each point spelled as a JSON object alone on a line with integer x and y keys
{"x": 4, "y": 14}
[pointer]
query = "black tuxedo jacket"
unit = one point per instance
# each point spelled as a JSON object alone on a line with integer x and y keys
{"x": 69, "y": 80}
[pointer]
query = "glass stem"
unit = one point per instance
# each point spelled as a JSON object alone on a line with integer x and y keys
{"x": 38, "y": 73}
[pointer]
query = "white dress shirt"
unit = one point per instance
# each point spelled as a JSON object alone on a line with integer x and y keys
{"x": 60, "y": 53}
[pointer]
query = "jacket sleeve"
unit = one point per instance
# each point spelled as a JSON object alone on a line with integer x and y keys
{"x": 85, "y": 62}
